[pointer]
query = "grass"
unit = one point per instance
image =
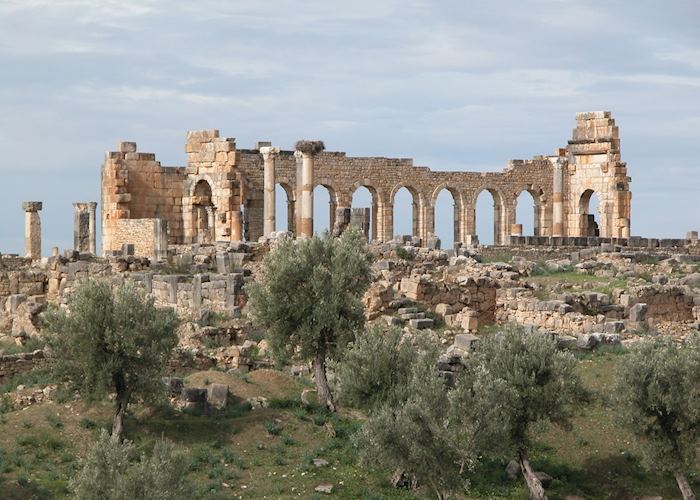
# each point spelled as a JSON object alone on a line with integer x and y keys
{"x": 33, "y": 344}
{"x": 244, "y": 453}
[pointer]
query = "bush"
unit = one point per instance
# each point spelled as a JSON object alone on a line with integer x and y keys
{"x": 109, "y": 472}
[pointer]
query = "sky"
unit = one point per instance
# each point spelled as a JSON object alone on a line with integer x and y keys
{"x": 456, "y": 85}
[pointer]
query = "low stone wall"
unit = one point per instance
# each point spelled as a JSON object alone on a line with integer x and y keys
{"x": 667, "y": 303}
{"x": 13, "y": 364}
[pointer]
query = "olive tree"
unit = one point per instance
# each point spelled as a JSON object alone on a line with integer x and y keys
{"x": 111, "y": 341}
{"x": 309, "y": 299}
{"x": 657, "y": 393}
{"x": 111, "y": 471}
{"x": 514, "y": 380}
{"x": 414, "y": 435}
{"x": 376, "y": 368}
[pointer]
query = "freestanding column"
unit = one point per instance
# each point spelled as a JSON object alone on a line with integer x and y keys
{"x": 269, "y": 155}
{"x": 309, "y": 149}
{"x": 211, "y": 223}
{"x": 558, "y": 197}
{"x": 32, "y": 229}
{"x": 84, "y": 227}
{"x": 92, "y": 207}
{"x": 297, "y": 194}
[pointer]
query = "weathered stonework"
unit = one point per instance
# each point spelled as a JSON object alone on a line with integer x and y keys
{"x": 226, "y": 194}
{"x": 84, "y": 237}
{"x": 32, "y": 229}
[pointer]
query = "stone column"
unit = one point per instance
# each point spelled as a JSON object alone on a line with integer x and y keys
{"x": 84, "y": 227}
{"x": 211, "y": 223}
{"x": 92, "y": 236}
{"x": 558, "y": 197}
{"x": 297, "y": 195}
{"x": 32, "y": 229}
{"x": 269, "y": 155}
{"x": 309, "y": 149}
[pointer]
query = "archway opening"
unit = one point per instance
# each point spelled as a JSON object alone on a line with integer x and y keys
{"x": 526, "y": 213}
{"x": 445, "y": 221}
{"x": 324, "y": 209}
{"x": 487, "y": 217}
{"x": 589, "y": 208}
{"x": 203, "y": 212}
{"x": 364, "y": 211}
{"x": 284, "y": 208}
{"x": 404, "y": 213}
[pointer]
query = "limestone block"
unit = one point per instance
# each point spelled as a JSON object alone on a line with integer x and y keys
{"x": 217, "y": 395}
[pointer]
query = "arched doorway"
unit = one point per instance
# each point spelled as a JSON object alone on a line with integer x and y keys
{"x": 284, "y": 208}
{"x": 589, "y": 208}
{"x": 446, "y": 222}
{"x": 324, "y": 209}
{"x": 526, "y": 213}
{"x": 405, "y": 210}
{"x": 364, "y": 206}
{"x": 203, "y": 213}
{"x": 488, "y": 215}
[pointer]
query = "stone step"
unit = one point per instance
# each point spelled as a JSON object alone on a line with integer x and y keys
{"x": 420, "y": 324}
{"x": 407, "y": 310}
{"x": 410, "y": 316}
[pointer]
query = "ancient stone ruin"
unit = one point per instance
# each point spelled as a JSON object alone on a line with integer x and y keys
{"x": 228, "y": 194}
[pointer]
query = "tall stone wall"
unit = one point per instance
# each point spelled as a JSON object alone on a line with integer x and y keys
{"x": 220, "y": 194}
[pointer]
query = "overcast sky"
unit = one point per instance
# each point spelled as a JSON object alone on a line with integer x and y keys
{"x": 456, "y": 85}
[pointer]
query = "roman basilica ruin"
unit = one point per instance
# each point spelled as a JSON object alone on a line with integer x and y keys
{"x": 228, "y": 194}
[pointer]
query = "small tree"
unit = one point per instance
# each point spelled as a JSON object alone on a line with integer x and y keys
{"x": 658, "y": 395}
{"x": 518, "y": 379}
{"x": 377, "y": 367}
{"x": 110, "y": 472}
{"x": 111, "y": 341}
{"x": 309, "y": 299}
{"x": 415, "y": 436}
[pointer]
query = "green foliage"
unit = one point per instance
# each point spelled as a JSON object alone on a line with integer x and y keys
{"x": 377, "y": 367}
{"x": 309, "y": 296}
{"x": 272, "y": 428}
{"x": 111, "y": 341}
{"x": 657, "y": 393}
{"x": 416, "y": 436}
{"x": 404, "y": 254}
{"x": 514, "y": 380}
{"x": 33, "y": 344}
{"x": 109, "y": 472}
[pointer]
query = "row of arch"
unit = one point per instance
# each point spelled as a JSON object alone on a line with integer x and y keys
{"x": 405, "y": 202}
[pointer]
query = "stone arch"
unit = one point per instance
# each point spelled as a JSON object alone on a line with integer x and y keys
{"x": 375, "y": 210}
{"x": 333, "y": 201}
{"x": 499, "y": 212}
{"x": 457, "y": 210}
{"x": 203, "y": 216}
{"x": 285, "y": 209}
{"x": 539, "y": 222}
{"x": 588, "y": 225}
{"x": 417, "y": 203}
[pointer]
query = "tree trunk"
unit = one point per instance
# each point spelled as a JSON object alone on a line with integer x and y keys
{"x": 533, "y": 484}
{"x": 684, "y": 486}
{"x": 118, "y": 423}
{"x": 324, "y": 391}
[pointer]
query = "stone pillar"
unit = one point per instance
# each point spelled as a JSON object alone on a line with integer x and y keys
{"x": 211, "y": 223}
{"x": 297, "y": 195}
{"x": 92, "y": 237}
{"x": 308, "y": 149}
{"x": 558, "y": 197}
{"x": 269, "y": 155}
{"x": 32, "y": 229}
{"x": 84, "y": 227}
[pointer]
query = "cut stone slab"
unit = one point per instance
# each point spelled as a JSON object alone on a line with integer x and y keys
{"x": 217, "y": 395}
{"x": 421, "y": 324}
{"x": 326, "y": 488}
{"x": 466, "y": 341}
{"x": 638, "y": 313}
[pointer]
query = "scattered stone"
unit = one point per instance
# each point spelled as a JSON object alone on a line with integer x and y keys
{"x": 326, "y": 488}
{"x": 513, "y": 470}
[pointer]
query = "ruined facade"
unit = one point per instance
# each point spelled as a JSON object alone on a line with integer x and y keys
{"x": 228, "y": 194}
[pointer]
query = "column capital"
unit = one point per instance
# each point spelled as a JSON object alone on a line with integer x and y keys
{"x": 92, "y": 206}
{"x": 32, "y": 206}
{"x": 309, "y": 148}
{"x": 269, "y": 152}
{"x": 80, "y": 206}
{"x": 297, "y": 156}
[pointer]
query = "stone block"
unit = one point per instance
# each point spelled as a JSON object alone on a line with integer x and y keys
{"x": 217, "y": 395}
{"x": 466, "y": 341}
{"x": 420, "y": 324}
{"x": 638, "y": 313}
